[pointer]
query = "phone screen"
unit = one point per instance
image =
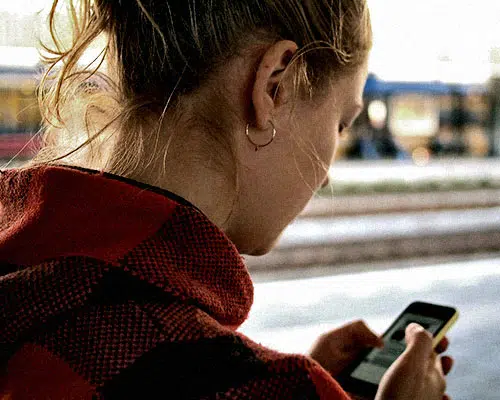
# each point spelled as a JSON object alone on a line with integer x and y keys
{"x": 377, "y": 361}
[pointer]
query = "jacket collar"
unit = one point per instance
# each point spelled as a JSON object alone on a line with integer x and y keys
{"x": 53, "y": 212}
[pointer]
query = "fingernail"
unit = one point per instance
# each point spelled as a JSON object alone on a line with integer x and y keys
{"x": 415, "y": 327}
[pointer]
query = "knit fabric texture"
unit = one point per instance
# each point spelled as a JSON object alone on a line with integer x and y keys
{"x": 113, "y": 289}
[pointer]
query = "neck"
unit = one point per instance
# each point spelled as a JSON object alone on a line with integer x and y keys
{"x": 183, "y": 168}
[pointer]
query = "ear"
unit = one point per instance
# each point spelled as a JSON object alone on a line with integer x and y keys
{"x": 269, "y": 88}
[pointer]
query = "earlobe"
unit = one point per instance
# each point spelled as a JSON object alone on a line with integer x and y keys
{"x": 269, "y": 87}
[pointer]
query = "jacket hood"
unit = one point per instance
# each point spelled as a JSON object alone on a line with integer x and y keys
{"x": 62, "y": 226}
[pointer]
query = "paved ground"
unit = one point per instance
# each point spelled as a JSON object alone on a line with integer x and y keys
{"x": 333, "y": 230}
{"x": 289, "y": 315}
{"x": 453, "y": 169}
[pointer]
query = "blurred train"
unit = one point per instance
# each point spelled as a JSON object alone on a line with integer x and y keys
{"x": 421, "y": 120}
{"x": 415, "y": 120}
{"x": 19, "y": 113}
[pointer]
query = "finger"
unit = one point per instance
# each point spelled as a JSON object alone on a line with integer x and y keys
{"x": 442, "y": 377}
{"x": 364, "y": 336}
{"x": 447, "y": 364}
{"x": 436, "y": 360}
{"x": 419, "y": 343}
{"x": 442, "y": 346}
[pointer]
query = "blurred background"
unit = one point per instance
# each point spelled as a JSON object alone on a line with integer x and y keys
{"x": 413, "y": 212}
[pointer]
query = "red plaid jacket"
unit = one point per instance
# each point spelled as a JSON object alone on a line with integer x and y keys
{"x": 112, "y": 289}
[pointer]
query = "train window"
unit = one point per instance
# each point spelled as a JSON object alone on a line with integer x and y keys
{"x": 19, "y": 110}
{"x": 377, "y": 113}
{"x": 414, "y": 115}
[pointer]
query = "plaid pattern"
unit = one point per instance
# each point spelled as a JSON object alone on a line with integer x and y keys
{"x": 111, "y": 289}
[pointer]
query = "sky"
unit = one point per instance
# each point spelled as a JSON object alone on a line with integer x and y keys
{"x": 448, "y": 40}
{"x": 23, "y": 6}
{"x": 435, "y": 39}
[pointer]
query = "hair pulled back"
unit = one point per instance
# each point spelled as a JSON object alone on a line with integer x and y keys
{"x": 157, "y": 51}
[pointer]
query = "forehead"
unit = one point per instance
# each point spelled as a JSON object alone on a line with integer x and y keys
{"x": 354, "y": 80}
{"x": 343, "y": 92}
{"x": 348, "y": 88}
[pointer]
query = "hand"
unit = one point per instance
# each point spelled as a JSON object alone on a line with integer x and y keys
{"x": 419, "y": 373}
{"x": 335, "y": 350}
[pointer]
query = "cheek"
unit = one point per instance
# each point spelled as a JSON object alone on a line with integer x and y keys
{"x": 308, "y": 169}
{"x": 331, "y": 143}
{"x": 326, "y": 133}
{"x": 328, "y": 144}
{"x": 335, "y": 145}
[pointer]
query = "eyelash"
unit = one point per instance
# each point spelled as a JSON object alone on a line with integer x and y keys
{"x": 342, "y": 128}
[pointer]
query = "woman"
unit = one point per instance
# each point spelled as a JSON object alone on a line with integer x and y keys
{"x": 204, "y": 131}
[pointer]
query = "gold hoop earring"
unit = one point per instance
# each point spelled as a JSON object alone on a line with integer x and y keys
{"x": 259, "y": 146}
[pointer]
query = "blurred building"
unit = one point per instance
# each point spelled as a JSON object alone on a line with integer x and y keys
{"x": 422, "y": 120}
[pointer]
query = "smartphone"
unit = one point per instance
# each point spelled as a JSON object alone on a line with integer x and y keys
{"x": 363, "y": 376}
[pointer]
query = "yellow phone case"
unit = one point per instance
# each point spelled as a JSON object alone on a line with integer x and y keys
{"x": 445, "y": 329}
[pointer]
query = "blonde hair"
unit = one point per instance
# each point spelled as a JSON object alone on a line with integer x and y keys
{"x": 158, "y": 51}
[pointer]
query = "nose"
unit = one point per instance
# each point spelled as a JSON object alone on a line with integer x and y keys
{"x": 325, "y": 182}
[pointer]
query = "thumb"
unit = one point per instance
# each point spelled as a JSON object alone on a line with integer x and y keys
{"x": 419, "y": 343}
